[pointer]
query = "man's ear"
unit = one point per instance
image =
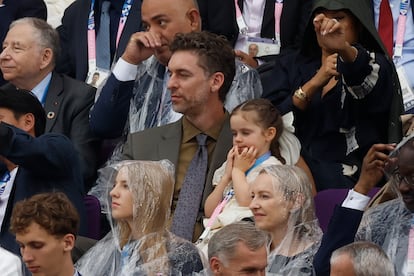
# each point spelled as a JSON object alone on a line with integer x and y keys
{"x": 68, "y": 242}
{"x": 27, "y": 123}
{"x": 217, "y": 80}
{"x": 215, "y": 265}
{"x": 47, "y": 57}
{"x": 195, "y": 20}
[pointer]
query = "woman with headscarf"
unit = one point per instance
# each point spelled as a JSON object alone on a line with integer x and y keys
{"x": 282, "y": 205}
{"x": 340, "y": 86}
{"x": 139, "y": 211}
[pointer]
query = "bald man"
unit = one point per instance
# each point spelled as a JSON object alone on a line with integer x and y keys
{"x": 137, "y": 92}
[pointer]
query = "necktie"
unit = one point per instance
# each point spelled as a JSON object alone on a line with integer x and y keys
{"x": 103, "y": 56}
{"x": 191, "y": 193}
{"x": 385, "y": 26}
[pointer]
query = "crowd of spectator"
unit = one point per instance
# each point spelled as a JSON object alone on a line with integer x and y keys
{"x": 202, "y": 130}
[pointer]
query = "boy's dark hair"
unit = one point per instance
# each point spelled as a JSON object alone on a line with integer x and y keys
{"x": 21, "y": 102}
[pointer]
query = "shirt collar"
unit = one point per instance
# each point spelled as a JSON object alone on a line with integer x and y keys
{"x": 40, "y": 89}
{"x": 190, "y": 131}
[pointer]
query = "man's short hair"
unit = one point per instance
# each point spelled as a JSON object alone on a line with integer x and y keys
{"x": 367, "y": 258}
{"x": 21, "y": 102}
{"x": 52, "y": 211}
{"x": 223, "y": 244}
{"x": 216, "y": 55}
{"x": 46, "y": 35}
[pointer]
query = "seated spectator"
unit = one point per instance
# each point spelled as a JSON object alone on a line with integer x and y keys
{"x": 261, "y": 138}
{"x": 274, "y": 26}
{"x": 45, "y": 226}
{"x": 397, "y": 34}
{"x": 136, "y": 95}
{"x": 139, "y": 212}
{"x": 27, "y": 62}
{"x": 237, "y": 249}
{"x": 10, "y": 264}
{"x": 389, "y": 224}
{"x": 201, "y": 139}
{"x": 361, "y": 259}
{"x": 32, "y": 162}
{"x": 92, "y": 35}
{"x": 11, "y": 10}
{"x": 282, "y": 205}
{"x": 339, "y": 86}
{"x": 345, "y": 219}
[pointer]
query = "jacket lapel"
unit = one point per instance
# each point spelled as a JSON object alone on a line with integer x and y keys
{"x": 268, "y": 23}
{"x": 54, "y": 101}
{"x": 170, "y": 142}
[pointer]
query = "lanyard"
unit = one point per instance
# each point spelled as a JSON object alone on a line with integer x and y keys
{"x": 259, "y": 161}
{"x": 410, "y": 253}
{"x": 239, "y": 18}
{"x": 278, "y": 13}
{"x": 402, "y": 18}
{"x": 215, "y": 214}
{"x": 126, "y": 7}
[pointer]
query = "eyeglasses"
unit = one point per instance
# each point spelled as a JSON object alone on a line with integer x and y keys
{"x": 408, "y": 179}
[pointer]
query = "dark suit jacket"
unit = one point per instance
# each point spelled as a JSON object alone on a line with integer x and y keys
{"x": 164, "y": 143}
{"x": 341, "y": 231}
{"x": 73, "y": 35}
{"x": 46, "y": 163}
{"x": 67, "y": 106}
{"x": 220, "y": 17}
{"x": 15, "y": 9}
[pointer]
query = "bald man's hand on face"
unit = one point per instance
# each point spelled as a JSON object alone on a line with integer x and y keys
{"x": 141, "y": 46}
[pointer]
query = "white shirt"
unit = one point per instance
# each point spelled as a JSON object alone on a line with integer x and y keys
{"x": 10, "y": 264}
{"x": 355, "y": 200}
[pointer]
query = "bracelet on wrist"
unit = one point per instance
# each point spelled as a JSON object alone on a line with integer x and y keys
{"x": 301, "y": 95}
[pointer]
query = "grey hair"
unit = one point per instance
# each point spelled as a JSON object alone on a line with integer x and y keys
{"x": 46, "y": 35}
{"x": 223, "y": 243}
{"x": 368, "y": 259}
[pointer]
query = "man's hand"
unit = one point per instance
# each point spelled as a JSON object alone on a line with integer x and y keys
{"x": 373, "y": 167}
{"x": 245, "y": 58}
{"x": 141, "y": 46}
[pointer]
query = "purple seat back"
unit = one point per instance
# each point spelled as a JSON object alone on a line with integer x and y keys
{"x": 326, "y": 200}
{"x": 93, "y": 215}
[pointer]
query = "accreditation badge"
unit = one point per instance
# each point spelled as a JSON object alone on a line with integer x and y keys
{"x": 97, "y": 77}
{"x": 257, "y": 46}
{"x": 407, "y": 90}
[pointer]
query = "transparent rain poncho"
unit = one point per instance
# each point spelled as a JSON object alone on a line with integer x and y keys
{"x": 388, "y": 224}
{"x": 300, "y": 238}
{"x": 149, "y": 248}
{"x": 289, "y": 150}
{"x": 151, "y": 105}
{"x": 151, "y": 102}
